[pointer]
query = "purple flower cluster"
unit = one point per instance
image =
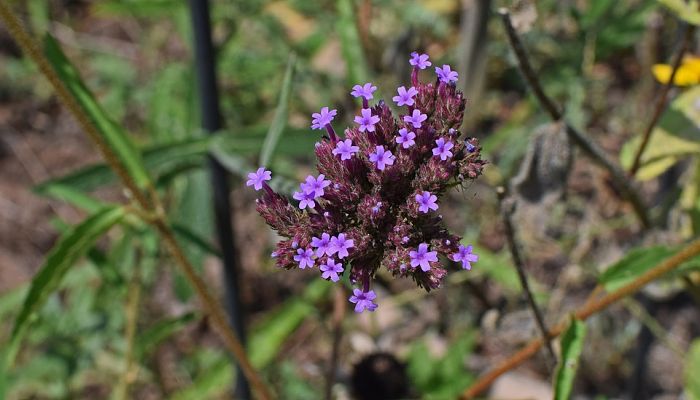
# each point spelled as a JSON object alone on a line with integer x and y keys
{"x": 374, "y": 201}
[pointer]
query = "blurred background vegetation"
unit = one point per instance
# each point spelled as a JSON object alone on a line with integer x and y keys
{"x": 594, "y": 57}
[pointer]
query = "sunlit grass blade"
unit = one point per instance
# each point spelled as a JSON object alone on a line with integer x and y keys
{"x": 70, "y": 248}
{"x": 112, "y": 134}
{"x": 148, "y": 340}
{"x": 279, "y": 121}
{"x": 269, "y": 335}
{"x": 571, "y": 347}
{"x": 353, "y": 54}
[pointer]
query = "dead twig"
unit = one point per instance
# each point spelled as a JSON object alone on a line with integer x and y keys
{"x": 689, "y": 31}
{"x": 591, "y": 307}
{"x": 507, "y": 206}
{"x": 618, "y": 176}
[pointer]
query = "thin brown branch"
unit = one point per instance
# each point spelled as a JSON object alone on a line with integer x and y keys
{"x": 689, "y": 31}
{"x": 590, "y": 308}
{"x": 338, "y": 317}
{"x": 507, "y": 206}
{"x": 618, "y": 176}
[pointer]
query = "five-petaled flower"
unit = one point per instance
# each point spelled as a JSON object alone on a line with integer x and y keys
{"x": 445, "y": 74}
{"x": 257, "y": 179}
{"x": 419, "y": 60}
{"x": 366, "y": 120}
{"x": 422, "y": 257}
{"x": 315, "y": 186}
{"x": 405, "y": 97}
{"x": 369, "y": 206}
{"x": 466, "y": 256}
{"x": 381, "y": 158}
{"x": 365, "y": 91}
{"x": 416, "y": 119}
{"x": 325, "y": 117}
{"x": 331, "y": 269}
{"x": 304, "y": 258}
{"x": 322, "y": 245}
{"x": 345, "y": 149}
{"x": 363, "y": 300}
{"x": 443, "y": 148}
{"x": 306, "y": 199}
{"x": 426, "y": 202}
{"x": 405, "y": 138}
{"x": 340, "y": 245}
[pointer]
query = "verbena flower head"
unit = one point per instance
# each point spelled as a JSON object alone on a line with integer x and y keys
{"x": 405, "y": 97}
{"x": 257, "y": 178}
{"x": 445, "y": 74}
{"x": 365, "y": 91}
{"x": 371, "y": 206}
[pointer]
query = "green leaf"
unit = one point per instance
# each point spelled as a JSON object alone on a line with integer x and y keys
{"x": 632, "y": 265}
{"x": 281, "y": 114}
{"x": 271, "y": 333}
{"x": 353, "y": 53}
{"x": 692, "y": 367}
{"x": 69, "y": 249}
{"x": 148, "y": 340}
{"x": 112, "y": 134}
{"x": 185, "y": 233}
{"x": 571, "y": 346}
{"x": 687, "y": 11}
{"x": 75, "y": 197}
{"x": 216, "y": 380}
{"x": 662, "y": 152}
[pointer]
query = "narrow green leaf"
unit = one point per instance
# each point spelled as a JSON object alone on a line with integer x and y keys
{"x": 148, "y": 340}
{"x": 70, "y": 247}
{"x": 353, "y": 54}
{"x": 692, "y": 371}
{"x": 194, "y": 238}
{"x": 270, "y": 334}
{"x": 632, "y": 265}
{"x": 279, "y": 121}
{"x": 112, "y": 134}
{"x": 212, "y": 383}
{"x": 571, "y": 346}
{"x": 687, "y": 11}
{"x": 75, "y": 197}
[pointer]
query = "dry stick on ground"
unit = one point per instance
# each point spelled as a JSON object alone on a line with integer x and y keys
{"x": 588, "y": 309}
{"x": 507, "y": 205}
{"x": 689, "y": 31}
{"x": 619, "y": 178}
{"x": 338, "y": 317}
{"x": 151, "y": 206}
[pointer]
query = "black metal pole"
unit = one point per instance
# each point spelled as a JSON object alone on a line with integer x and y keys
{"x": 211, "y": 122}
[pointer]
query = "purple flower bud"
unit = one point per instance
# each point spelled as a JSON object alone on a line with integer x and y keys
{"x": 445, "y": 74}
{"x": 419, "y": 60}
{"x": 345, "y": 149}
{"x": 365, "y": 91}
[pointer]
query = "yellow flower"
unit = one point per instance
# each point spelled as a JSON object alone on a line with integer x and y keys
{"x": 688, "y": 72}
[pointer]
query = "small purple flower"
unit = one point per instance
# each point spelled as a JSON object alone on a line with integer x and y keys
{"x": 345, "y": 149}
{"x": 443, "y": 149}
{"x": 315, "y": 186}
{"x": 363, "y": 300}
{"x": 405, "y": 97}
{"x": 422, "y": 257}
{"x": 420, "y": 60}
{"x": 365, "y": 91}
{"x": 331, "y": 269}
{"x": 325, "y": 117}
{"x": 256, "y": 179}
{"x": 466, "y": 256}
{"x": 322, "y": 245}
{"x": 416, "y": 119}
{"x": 470, "y": 147}
{"x": 367, "y": 120}
{"x": 304, "y": 259}
{"x": 426, "y": 202}
{"x": 305, "y": 199}
{"x": 381, "y": 158}
{"x": 446, "y": 74}
{"x": 377, "y": 207}
{"x": 340, "y": 245}
{"x": 405, "y": 138}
